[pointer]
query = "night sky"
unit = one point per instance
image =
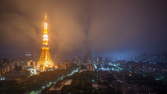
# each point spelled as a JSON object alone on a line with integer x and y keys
{"x": 110, "y": 26}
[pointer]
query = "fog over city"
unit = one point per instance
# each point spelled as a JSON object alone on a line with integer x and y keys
{"x": 110, "y": 26}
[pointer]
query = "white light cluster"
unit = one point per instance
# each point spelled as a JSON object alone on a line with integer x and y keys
{"x": 45, "y": 37}
{"x": 32, "y": 71}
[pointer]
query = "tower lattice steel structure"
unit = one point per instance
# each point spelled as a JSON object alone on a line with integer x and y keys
{"x": 45, "y": 61}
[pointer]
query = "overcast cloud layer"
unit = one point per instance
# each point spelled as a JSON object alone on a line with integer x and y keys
{"x": 108, "y": 25}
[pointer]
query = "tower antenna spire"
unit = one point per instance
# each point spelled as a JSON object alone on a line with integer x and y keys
{"x": 45, "y": 16}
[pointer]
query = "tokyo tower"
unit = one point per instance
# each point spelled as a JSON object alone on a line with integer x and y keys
{"x": 45, "y": 61}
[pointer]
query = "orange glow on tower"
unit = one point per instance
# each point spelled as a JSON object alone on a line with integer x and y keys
{"x": 45, "y": 61}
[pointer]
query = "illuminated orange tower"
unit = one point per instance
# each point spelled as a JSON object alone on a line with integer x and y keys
{"x": 45, "y": 61}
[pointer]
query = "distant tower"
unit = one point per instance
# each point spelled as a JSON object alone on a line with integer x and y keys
{"x": 45, "y": 61}
{"x": 87, "y": 52}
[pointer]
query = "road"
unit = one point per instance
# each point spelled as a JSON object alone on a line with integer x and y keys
{"x": 54, "y": 82}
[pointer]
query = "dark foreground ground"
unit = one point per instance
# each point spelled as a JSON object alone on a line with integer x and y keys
{"x": 105, "y": 82}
